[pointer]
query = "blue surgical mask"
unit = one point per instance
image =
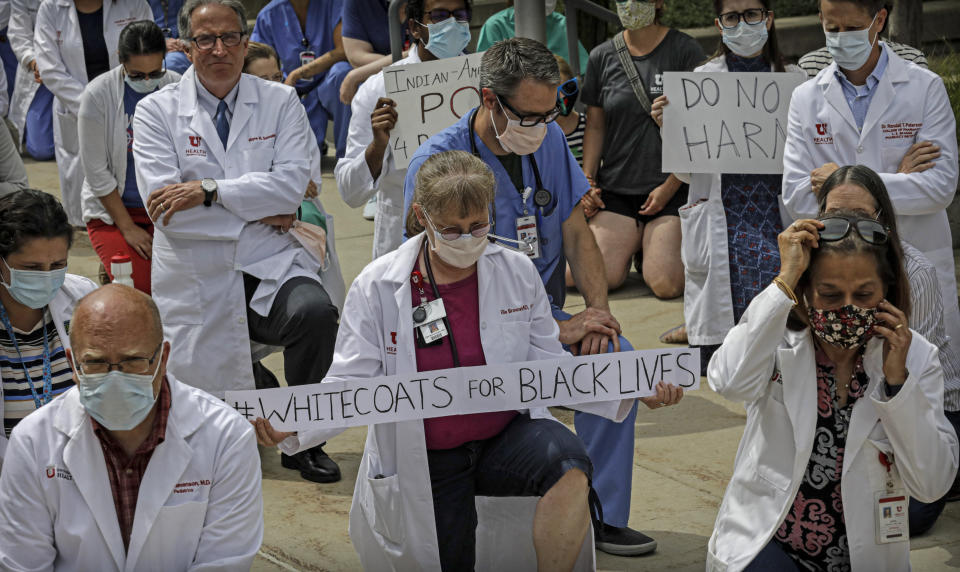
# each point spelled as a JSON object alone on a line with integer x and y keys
{"x": 143, "y": 86}
{"x": 34, "y": 288}
{"x": 746, "y": 39}
{"x": 851, "y": 50}
{"x": 448, "y": 38}
{"x": 119, "y": 401}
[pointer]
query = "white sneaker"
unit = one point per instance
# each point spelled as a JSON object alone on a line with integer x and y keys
{"x": 370, "y": 209}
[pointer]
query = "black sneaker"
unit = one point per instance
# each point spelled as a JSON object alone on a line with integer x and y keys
{"x": 314, "y": 465}
{"x": 623, "y": 541}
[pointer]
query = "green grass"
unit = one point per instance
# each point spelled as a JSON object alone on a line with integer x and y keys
{"x": 948, "y": 66}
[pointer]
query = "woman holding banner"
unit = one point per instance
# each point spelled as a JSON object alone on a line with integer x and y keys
{"x": 730, "y": 221}
{"x": 844, "y": 409}
{"x": 425, "y": 492}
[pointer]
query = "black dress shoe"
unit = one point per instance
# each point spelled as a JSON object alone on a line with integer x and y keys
{"x": 314, "y": 465}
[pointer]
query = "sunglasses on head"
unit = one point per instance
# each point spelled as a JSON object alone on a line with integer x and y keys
{"x": 837, "y": 227}
{"x": 567, "y": 94}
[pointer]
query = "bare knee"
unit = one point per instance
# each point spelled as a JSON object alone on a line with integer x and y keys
{"x": 664, "y": 287}
{"x": 572, "y": 488}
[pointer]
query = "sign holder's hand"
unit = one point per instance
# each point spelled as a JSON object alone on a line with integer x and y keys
{"x": 383, "y": 120}
{"x": 667, "y": 395}
{"x": 267, "y": 435}
{"x": 919, "y": 157}
{"x": 656, "y": 110}
{"x": 172, "y": 198}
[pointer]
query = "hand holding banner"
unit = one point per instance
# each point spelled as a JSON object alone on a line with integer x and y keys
{"x": 430, "y": 97}
{"x": 726, "y": 122}
{"x": 482, "y": 389}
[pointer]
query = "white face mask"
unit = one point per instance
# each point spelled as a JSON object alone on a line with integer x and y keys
{"x": 119, "y": 401}
{"x": 851, "y": 50}
{"x": 462, "y": 252}
{"x": 516, "y": 138}
{"x": 746, "y": 39}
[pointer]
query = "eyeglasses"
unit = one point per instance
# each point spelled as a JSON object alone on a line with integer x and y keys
{"x": 136, "y": 365}
{"x": 532, "y": 119}
{"x": 567, "y": 94}
{"x": 752, "y": 16}
{"x": 439, "y": 15}
{"x": 836, "y": 228}
{"x": 207, "y": 41}
{"x": 450, "y": 233}
{"x": 138, "y": 76}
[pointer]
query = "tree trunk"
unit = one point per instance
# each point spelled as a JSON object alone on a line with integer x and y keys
{"x": 906, "y": 22}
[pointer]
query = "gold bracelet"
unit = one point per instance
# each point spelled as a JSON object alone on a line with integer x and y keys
{"x": 786, "y": 290}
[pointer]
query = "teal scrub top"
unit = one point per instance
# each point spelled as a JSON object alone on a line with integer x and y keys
{"x": 501, "y": 26}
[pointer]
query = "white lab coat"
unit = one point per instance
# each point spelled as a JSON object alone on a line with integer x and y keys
{"x": 707, "y": 303}
{"x": 773, "y": 370}
{"x": 61, "y": 310}
{"x": 60, "y": 59}
{"x": 354, "y": 181}
{"x": 102, "y": 133}
{"x": 908, "y": 97}
{"x": 23, "y": 18}
{"x": 391, "y": 520}
{"x": 199, "y": 507}
{"x": 198, "y": 259}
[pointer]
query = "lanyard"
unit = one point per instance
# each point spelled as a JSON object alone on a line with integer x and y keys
{"x": 47, "y": 395}
{"x": 436, "y": 294}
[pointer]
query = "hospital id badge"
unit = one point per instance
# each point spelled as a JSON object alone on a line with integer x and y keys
{"x": 307, "y": 56}
{"x": 527, "y": 233}
{"x": 431, "y": 325}
{"x": 891, "y": 516}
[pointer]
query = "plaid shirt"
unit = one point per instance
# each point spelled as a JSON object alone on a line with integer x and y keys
{"x": 126, "y": 472}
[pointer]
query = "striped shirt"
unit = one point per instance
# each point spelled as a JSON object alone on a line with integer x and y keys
{"x": 815, "y": 61}
{"x": 926, "y": 317}
{"x": 575, "y": 139}
{"x": 17, "y": 398}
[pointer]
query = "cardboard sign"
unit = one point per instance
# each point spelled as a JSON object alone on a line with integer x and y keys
{"x": 501, "y": 387}
{"x": 430, "y": 97}
{"x": 726, "y": 122}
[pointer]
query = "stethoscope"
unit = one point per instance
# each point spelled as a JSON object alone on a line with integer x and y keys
{"x": 541, "y": 196}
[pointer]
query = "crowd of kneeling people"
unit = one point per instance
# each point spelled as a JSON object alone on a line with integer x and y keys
{"x": 824, "y": 300}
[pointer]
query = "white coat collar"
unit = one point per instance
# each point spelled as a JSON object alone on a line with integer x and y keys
{"x": 832, "y": 91}
{"x": 83, "y": 457}
{"x": 202, "y": 123}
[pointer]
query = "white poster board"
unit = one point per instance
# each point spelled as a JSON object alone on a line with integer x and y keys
{"x": 480, "y": 389}
{"x": 430, "y": 97}
{"x": 726, "y": 122}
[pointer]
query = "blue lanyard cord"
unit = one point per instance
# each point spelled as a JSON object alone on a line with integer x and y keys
{"x": 47, "y": 395}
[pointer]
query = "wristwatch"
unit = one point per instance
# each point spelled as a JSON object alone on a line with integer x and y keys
{"x": 209, "y": 187}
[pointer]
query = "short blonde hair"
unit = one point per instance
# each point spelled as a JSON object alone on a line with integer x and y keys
{"x": 566, "y": 72}
{"x": 451, "y": 180}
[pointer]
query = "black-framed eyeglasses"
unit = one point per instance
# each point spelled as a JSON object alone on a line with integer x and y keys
{"x": 532, "y": 119}
{"x": 837, "y": 227}
{"x": 440, "y": 14}
{"x": 135, "y": 365}
{"x": 207, "y": 41}
{"x": 752, "y": 16}
{"x": 138, "y": 76}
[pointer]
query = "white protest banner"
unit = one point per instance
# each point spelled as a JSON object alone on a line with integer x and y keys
{"x": 726, "y": 122}
{"x": 481, "y": 389}
{"x": 430, "y": 97}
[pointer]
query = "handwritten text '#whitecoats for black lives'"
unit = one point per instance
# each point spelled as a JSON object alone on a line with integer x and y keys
{"x": 482, "y": 389}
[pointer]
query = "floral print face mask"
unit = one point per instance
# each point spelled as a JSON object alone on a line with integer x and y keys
{"x": 846, "y": 327}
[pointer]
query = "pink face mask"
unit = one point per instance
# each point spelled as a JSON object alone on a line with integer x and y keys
{"x": 518, "y": 139}
{"x": 313, "y": 239}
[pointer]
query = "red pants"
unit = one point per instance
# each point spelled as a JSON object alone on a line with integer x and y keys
{"x": 107, "y": 240}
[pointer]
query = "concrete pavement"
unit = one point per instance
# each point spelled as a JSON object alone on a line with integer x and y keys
{"x": 684, "y": 454}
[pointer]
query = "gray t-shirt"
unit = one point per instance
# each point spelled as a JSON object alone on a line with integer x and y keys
{"x": 630, "y": 163}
